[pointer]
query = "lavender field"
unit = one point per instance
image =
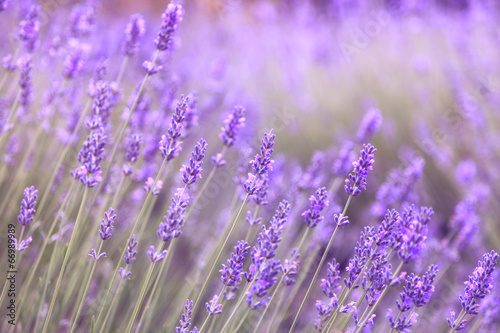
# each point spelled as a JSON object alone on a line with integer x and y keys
{"x": 250, "y": 166}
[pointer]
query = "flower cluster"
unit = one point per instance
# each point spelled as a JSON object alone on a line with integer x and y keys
{"x": 90, "y": 157}
{"x": 173, "y": 220}
{"x": 357, "y": 178}
{"x": 185, "y": 321}
{"x": 107, "y": 224}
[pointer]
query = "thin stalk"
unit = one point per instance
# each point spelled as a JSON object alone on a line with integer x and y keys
{"x": 65, "y": 261}
{"x": 460, "y": 317}
{"x": 242, "y": 320}
{"x": 139, "y": 218}
{"x": 325, "y": 253}
{"x": 219, "y": 254}
{"x": 276, "y": 308}
{"x": 122, "y": 69}
{"x": 144, "y": 289}
{"x": 249, "y": 231}
{"x": 240, "y": 300}
{"x": 111, "y": 306}
{"x": 94, "y": 262}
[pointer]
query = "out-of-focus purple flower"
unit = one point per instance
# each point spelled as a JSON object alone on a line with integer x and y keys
{"x": 250, "y": 220}
{"x": 82, "y": 19}
{"x": 74, "y": 61}
{"x": 340, "y": 220}
{"x": 28, "y": 206}
{"x": 193, "y": 171}
{"x": 132, "y": 154}
{"x": 25, "y": 81}
{"x": 213, "y": 308}
{"x": 403, "y": 322}
{"x": 148, "y": 186}
{"x": 290, "y": 267}
{"x": 173, "y": 220}
{"x": 107, "y": 224}
{"x": 231, "y": 274}
{"x": 385, "y": 232}
{"x": 218, "y": 160}
{"x": 191, "y": 118}
{"x": 169, "y": 144}
{"x": 260, "y": 195}
{"x": 170, "y": 23}
{"x": 324, "y": 312}
{"x": 466, "y": 171}
{"x": 412, "y": 233}
{"x": 156, "y": 257}
{"x": 151, "y": 68}
{"x": 90, "y": 157}
{"x": 185, "y": 321}
{"x": 357, "y": 178}
{"x": 232, "y": 125}
{"x": 8, "y": 63}
{"x": 318, "y": 203}
{"x": 398, "y": 188}
{"x": 343, "y": 163}
{"x": 4, "y": 4}
{"x": 369, "y": 125}
{"x": 350, "y": 308}
{"x": 311, "y": 179}
{"x": 23, "y": 244}
{"x": 134, "y": 31}
{"x": 101, "y": 106}
{"x": 30, "y": 27}
{"x": 261, "y": 164}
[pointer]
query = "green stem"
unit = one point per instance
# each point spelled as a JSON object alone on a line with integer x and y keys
{"x": 325, "y": 253}
{"x": 94, "y": 262}
{"x": 103, "y": 327}
{"x": 65, "y": 261}
{"x": 221, "y": 302}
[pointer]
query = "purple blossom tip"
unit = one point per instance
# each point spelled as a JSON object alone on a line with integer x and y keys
{"x": 232, "y": 125}
{"x": 28, "y": 206}
{"x": 193, "y": 171}
{"x": 170, "y": 146}
{"x": 130, "y": 253}
{"x": 133, "y": 33}
{"x": 150, "y": 182}
{"x": 212, "y": 307}
{"x": 170, "y": 23}
{"x": 369, "y": 125}
{"x": 23, "y": 244}
{"x": 156, "y": 257}
{"x": 357, "y": 178}
{"x": 218, "y": 160}
{"x": 318, "y": 202}
{"x": 107, "y": 224}
{"x": 96, "y": 256}
{"x": 124, "y": 273}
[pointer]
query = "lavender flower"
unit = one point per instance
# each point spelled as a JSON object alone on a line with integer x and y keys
{"x": 74, "y": 61}
{"x": 171, "y": 19}
{"x": 314, "y": 173}
{"x": 151, "y": 68}
{"x": 369, "y": 125}
{"x": 213, "y": 308}
{"x": 232, "y": 125}
{"x": 412, "y": 233}
{"x": 192, "y": 171}
{"x": 102, "y": 107}
{"x": 4, "y": 4}
{"x": 357, "y": 178}
{"x": 290, "y": 267}
{"x": 331, "y": 285}
{"x": 169, "y": 144}
{"x": 82, "y": 19}
{"x": 318, "y": 203}
{"x": 261, "y": 164}
{"x": 231, "y": 274}
{"x": 129, "y": 257}
{"x": 132, "y": 155}
{"x": 30, "y": 27}
{"x": 133, "y": 33}
{"x": 28, "y": 206}
{"x": 173, "y": 220}
{"x": 363, "y": 251}
{"x": 185, "y": 321}
{"x": 148, "y": 186}
{"x": 191, "y": 119}
{"x": 96, "y": 256}
{"x": 156, "y": 257}
{"x": 23, "y": 244}
{"x": 25, "y": 81}
{"x": 343, "y": 163}
{"x": 90, "y": 157}
{"x": 107, "y": 224}
{"x": 260, "y": 289}
{"x": 377, "y": 278}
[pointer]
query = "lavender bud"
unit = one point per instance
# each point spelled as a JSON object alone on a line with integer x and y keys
{"x": 156, "y": 257}
{"x": 30, "y": 27}
{"x": 133, "y": 33}
{"x": 170, "y": 23}
{"x": 28, "y": 206}
{"x": 232, "y": 125}
{"x": 212, "y": 307}
{"x": 231, "y": 274}
{"x": 169, "y": 144}
{"x": 130, "y": 253}
{"x": 173, "y": 220}
{"x": 357, "y": 178}
{"x": 107, "y": 224}
{"x": 149, "y": 184}
{"x": 193, "y": 171}
{"x": 185, "y": 321}
{"x": 369, "y": 125}
{"x": 318, "y": 203}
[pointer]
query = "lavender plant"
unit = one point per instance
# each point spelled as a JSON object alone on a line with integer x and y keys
{"x": 97, "y": 107}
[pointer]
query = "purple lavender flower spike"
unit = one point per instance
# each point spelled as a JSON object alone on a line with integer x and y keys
{"x": 261, "y": 164}
{"x": 250, "y": 219}
{"x": 318, "y": 203}
{"x": 102, "y": 106}
{"x": 30, "y": 27}
{"x": 82, "y": 19}
{"x": 377, "y": 278}
{"x": 412, "y": 233}
{"x": 28, "y": 206}
{"x": 191, "y": 118}
{"x": 107, "y": 224}
{"x": 173, "y": 220}
{"x": 362, "y": 252}
{"x": 156, "y": 257}
{"x": 232, "y": 125}
{"x": 343, "y": 163}
{"x": 151, "y": 68}
{"x": 90, "y": 157}
{"x": 369, "y": 125}
{"x": 213, "y": 308}
{"x": 171, "y": 18}
{"x": 130, "y": 253}
{"x": 148, "y": 186}
{"x": 260, "y": 289}
{"x": 25, "y": 81}
{"x": 185, "y": 321}
{"x": 96, "y": 256}
{"x": 385, "y": 232}
{"x": 218, "y": 160}
{"x": 132, "y": 155}
{"x": 357, "y": 178}
{"x": 231, "y": 274}
{"x": 74, "y": 61}
{"x": 193, "y": 171}
{"x": 331, "y": 284}
{"x": 169, "y": 144}
{"x": 290, "y": 267}
{"x": 4, "y": 4}
{"x": 133, "y": 33}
